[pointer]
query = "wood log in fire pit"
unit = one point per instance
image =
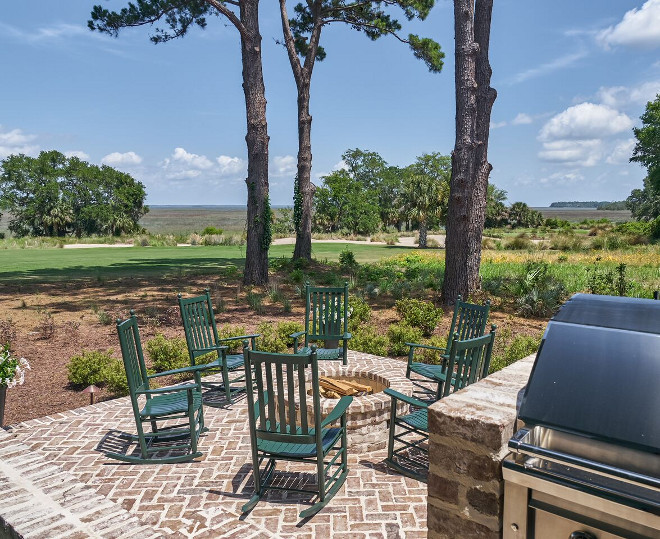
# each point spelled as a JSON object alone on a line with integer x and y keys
{"x": 332, "y": 388}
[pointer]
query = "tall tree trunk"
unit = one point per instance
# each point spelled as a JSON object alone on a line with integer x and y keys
{"x": 258, "y": 206}
{"x": 470, "y": 167}
{"x": 303, "y": 248}
{"x": 422, "y": 234}
{"x": 302, "y": 74}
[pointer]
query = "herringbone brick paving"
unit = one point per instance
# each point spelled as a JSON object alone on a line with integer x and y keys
{"x": 199, "y": 499}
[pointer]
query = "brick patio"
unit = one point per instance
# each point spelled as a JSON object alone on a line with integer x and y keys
{"x": 56, "y": 483}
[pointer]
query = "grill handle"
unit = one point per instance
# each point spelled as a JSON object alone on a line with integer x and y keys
{"x": 518, "y": 445}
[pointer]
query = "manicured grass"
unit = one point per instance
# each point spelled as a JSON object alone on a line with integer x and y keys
{"x": 107, "y": 263}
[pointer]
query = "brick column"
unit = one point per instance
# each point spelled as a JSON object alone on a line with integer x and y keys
{"x": 469, "y": 435}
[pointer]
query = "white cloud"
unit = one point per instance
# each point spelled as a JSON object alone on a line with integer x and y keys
{"x": 231, "y": 165}
{"x": 497, "y": 125}
{"x": 562, "y": 178}
{"x": 559, "y": 63}
{"x": 193, "y": 160}
{"x": 638, "y": 28}
{"x": 283, "y": 165}
{"x": 79, "y": 154}
{"x": 15, "y": 142}
{"x": 115, "y": 159}
{"x": 585, "y": 121}
{"x": 585, "y": 153}
{"x": 521, "y": 119}
{"x": 184, "y": 165}
{"x": 621, "y": 153}
{"x": 620, "y": 96}
{"x": 56, "y": 32}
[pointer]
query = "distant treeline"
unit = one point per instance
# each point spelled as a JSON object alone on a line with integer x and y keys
{"x": 604, "y": 205}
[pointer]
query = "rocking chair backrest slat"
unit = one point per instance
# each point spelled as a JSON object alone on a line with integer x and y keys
{"x": 469, "y": 320}
{"x": 291, "y": 395}
{"x": 302, "y": 396}
{"x": 469, "y": 360}
{"x": 327, "y": 311}
{"x": 131, "y": 352}
{"x": 275, "y": 404}
{"x": 198, "y": 323}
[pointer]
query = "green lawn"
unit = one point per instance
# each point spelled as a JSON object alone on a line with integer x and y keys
{"x": 108, "y": 263}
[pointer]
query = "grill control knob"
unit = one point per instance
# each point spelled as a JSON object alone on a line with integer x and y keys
{"x": 582, "y": 535}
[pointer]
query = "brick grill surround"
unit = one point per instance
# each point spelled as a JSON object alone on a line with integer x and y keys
{"x": 470, "y": 431}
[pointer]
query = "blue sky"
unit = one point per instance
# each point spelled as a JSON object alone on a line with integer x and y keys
{"x": 572, "y": 80}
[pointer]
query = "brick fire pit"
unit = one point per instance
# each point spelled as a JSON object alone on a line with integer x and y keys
{"x": 367, "y": 416}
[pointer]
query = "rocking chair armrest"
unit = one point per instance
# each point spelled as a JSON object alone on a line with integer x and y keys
{"x": 240, "y": 337}
{"x": 405, "y": 398}
{"x": 295, "y": 336}
{"x": 338, "y": 410}
{"x": 192, "y": 368}
{"x": 347, "y": 336}
{"x": 169, "y": 389}
{"x": 425, "y": 346}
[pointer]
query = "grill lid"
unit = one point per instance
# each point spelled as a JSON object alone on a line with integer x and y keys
{"x": 597, "y": 372}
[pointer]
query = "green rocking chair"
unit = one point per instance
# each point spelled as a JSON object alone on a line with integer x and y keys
{"x": 469, "y": 321}
{"x": 163, "y": 404}
{"x": 202, "y": 339}
{"x": 469, "y": 361}
{"x": 326, "y": 319}
{"x": 281, "y": 430}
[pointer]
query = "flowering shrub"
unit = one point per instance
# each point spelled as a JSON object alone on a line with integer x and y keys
{"x": 12, "y": 369}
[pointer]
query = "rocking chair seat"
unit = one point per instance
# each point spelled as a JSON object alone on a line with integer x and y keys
{"x": 418, "y": 419}
{"x": 171, "y": 403}
{"x": 323, "y": 353}
{"x": 234, "y": 361}
{"x": 434, "y": 372}
{"x": 283, "y": 449}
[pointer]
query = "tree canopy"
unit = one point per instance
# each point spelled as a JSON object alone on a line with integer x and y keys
{"x": 645, "y": 203}
{"x": 55, "y": 195}
{"x": 647, "y": 149}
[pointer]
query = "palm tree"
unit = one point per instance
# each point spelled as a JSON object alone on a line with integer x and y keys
{"x": 426, "y": 191}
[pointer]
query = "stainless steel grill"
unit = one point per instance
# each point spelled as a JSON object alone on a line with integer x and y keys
{"x": 587, "y": 462}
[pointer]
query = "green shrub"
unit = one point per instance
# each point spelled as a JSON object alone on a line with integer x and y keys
{"x": 347, "y": 260}
{"x": 116, "y": 381}
{"x": 275, "y": 337}
{"x": 105, "y": 319}
{"x": 359, "y": 312}
{"x": 433, "y": 357}
{"x": 520, "y": 347}
{"x": 255, "y": 301}
{"x": 537, "y": 292}
{"x": 167, "y": 354}
{"x": 399, "y": 334}
{"x": 366, "y": 339}
{"x": 211, "y": 230}
{"x": 419, "y": 314}
{"x": 608, "y": 281}
{"x": 230, "y": 330}
{"x": 89, "y": 368}
{"x": 521, "y": 242}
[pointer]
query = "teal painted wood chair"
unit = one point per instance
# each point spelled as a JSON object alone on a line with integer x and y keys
{"x": 469, "y": 321}
{"x": 179, "y": 407}
{"x": 407, "y": 449}
{"x": 326, "y": 319}
{"x": 202, "y": 339}
{"x": 280, "y": 428}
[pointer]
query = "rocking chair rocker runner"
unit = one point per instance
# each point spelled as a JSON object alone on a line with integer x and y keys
{"x": 469, "y": 321}
{"x": 202, "y": 339}
{"x": 281, "y": 430}
{"x": 162, "y": 404}
{"x": 326, "y": 319}
{"x": 468, "y": 361}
